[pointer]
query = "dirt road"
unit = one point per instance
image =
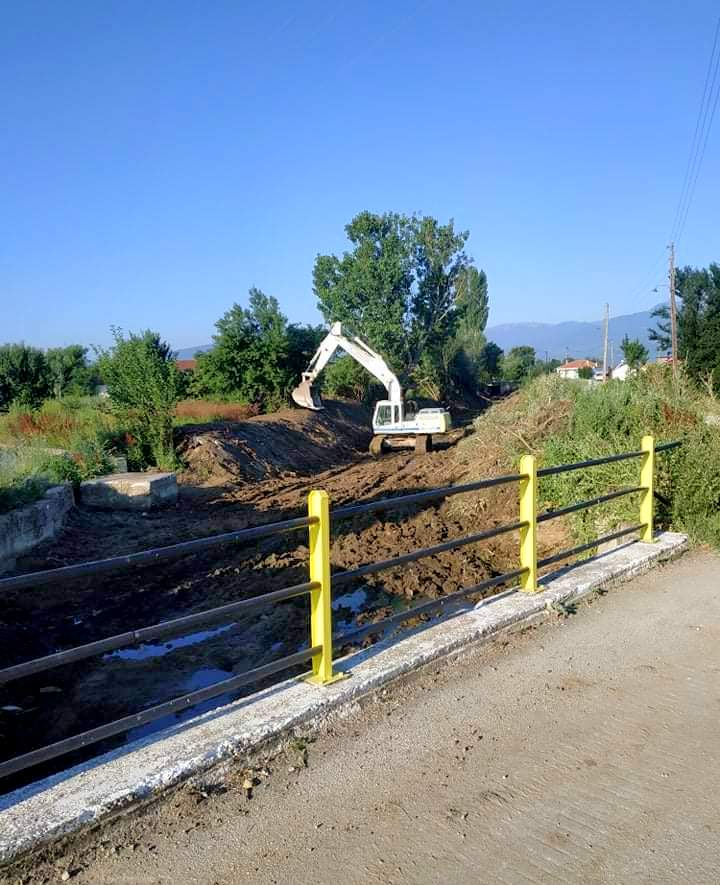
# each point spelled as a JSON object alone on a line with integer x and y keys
{"x": 585, "y": 750}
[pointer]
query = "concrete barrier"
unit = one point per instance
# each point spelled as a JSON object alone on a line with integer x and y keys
{"x": 26, "y": 527}
{"x": 83, "y": 796}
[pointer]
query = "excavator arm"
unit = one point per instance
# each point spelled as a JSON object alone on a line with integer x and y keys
{"x": 306, "y": 395}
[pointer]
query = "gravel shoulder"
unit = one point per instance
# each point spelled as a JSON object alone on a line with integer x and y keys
{"x": 582, "y": 749}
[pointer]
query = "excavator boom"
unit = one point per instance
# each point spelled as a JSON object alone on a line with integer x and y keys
{"x": 307, "y": 396}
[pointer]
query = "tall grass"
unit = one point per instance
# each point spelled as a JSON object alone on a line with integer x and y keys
{"x": 62, "y": 424}
{"x": 198, "y": 411}
{"x": 564, "y": 421}
{"x": 63, "y": 441}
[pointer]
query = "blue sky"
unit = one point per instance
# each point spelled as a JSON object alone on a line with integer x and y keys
{"x": 159, "y": 158}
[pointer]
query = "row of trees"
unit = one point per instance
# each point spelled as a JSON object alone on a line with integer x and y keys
{"x": 29, "y": 375}
{"x": 406, "y": 285}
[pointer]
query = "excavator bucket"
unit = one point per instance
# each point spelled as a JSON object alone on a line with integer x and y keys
{"x": 307, "y": 397}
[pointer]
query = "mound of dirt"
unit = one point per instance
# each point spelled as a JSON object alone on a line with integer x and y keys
{"x": 285, "y": 444}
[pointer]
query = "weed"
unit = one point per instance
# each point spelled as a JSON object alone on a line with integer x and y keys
{"x": 561, "y": 609}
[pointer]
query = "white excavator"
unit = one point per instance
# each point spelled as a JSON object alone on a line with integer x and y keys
{"x": 396, "y": 424}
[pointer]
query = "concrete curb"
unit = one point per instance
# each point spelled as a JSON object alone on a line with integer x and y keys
{"x": 64, "y": 804}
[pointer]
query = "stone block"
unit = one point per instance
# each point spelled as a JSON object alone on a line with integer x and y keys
{"x": 129, "y": 491}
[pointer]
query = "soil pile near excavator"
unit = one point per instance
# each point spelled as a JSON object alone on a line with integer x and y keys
{"x": 288, "y": 443}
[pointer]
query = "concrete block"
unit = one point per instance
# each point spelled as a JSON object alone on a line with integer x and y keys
{"x": 26, "y": 527}
{"x": 129, "y": 491}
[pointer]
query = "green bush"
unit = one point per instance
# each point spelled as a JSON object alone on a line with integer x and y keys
{"x": 345, "y": 378}
{"x": 564, "y": 421}
{"x": 24, "y": 376}
{"x": 143, "y": 386}
{"x": 257, "y": 358}
{"x": 611, "y": 418}
{"x": 695, "y": 474}
{"x": 28, "y": 470}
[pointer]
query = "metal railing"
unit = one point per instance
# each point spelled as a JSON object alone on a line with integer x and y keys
{"x": 322, "y": 643}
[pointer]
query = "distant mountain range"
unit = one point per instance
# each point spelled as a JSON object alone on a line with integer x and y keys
{"x": 558, "y": 340}
{"x": 574, "y": 339}
{"x": 188, "y": 353}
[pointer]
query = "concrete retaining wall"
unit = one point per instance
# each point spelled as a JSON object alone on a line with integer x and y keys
{"x": 26, "y": 527}
{"x": 86, "y": 795}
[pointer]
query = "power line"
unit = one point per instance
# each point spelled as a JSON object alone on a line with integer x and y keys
{"x": 703, "y": 125}
{"x": 693, "y": 144}
{"x": 702, "y": 156}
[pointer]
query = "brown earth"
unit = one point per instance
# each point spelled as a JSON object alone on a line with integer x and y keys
{"x": 240, "y": 475}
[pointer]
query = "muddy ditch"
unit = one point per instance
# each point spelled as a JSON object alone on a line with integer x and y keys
{"x": 42, "y": 709}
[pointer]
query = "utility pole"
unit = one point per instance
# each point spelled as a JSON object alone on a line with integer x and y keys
{"x": 673, "y": 309}
{"x": 605, "y": 348}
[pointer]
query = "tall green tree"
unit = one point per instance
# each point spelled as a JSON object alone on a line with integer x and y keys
{"x": 143, "y": 385}
{"x": 470, "y": 361}
{"x": 398, "y": 288}
{"x": 518, "y": 363}
{"x": 698, "y": 322}
{"x": 24, "y": 376}
{"x": 634, "y": 352}
{"x": 303, "y": 341}
{"x": 69, "y": 370}
{"x": 368, "y": 288}
{"x": 256, "y": 357}
{"x": 439, "y": 263}
{"x": 491, "y": 361}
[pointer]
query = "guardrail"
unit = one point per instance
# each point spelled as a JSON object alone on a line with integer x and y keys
{"x": 319, "y": 586}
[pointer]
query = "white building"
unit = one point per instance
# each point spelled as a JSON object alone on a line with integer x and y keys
{"x": 571, "y": 368}
{"x": 622, "y": 371}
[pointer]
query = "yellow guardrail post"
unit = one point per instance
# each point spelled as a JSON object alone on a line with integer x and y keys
{"x": 528, "y": 514}
{"x": 647, "y": 481}
{"x": 321, "y": 598}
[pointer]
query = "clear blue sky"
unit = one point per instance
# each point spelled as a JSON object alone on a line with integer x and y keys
{"x": 159, "y": 158}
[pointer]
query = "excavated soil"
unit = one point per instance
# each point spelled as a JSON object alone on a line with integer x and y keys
{"x": 292, "y": 442}
{"x": 240, "y": 475}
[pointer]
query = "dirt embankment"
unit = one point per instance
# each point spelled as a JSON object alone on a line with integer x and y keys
{"x": 238, "y": 476}
{"x": 289, "y": 443}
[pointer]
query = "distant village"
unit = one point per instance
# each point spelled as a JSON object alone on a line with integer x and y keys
{"x": 573, "y": 369}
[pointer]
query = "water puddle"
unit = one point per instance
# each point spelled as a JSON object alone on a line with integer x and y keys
{"x": 145, "y": 652}
{"x": 355, "y": 601}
